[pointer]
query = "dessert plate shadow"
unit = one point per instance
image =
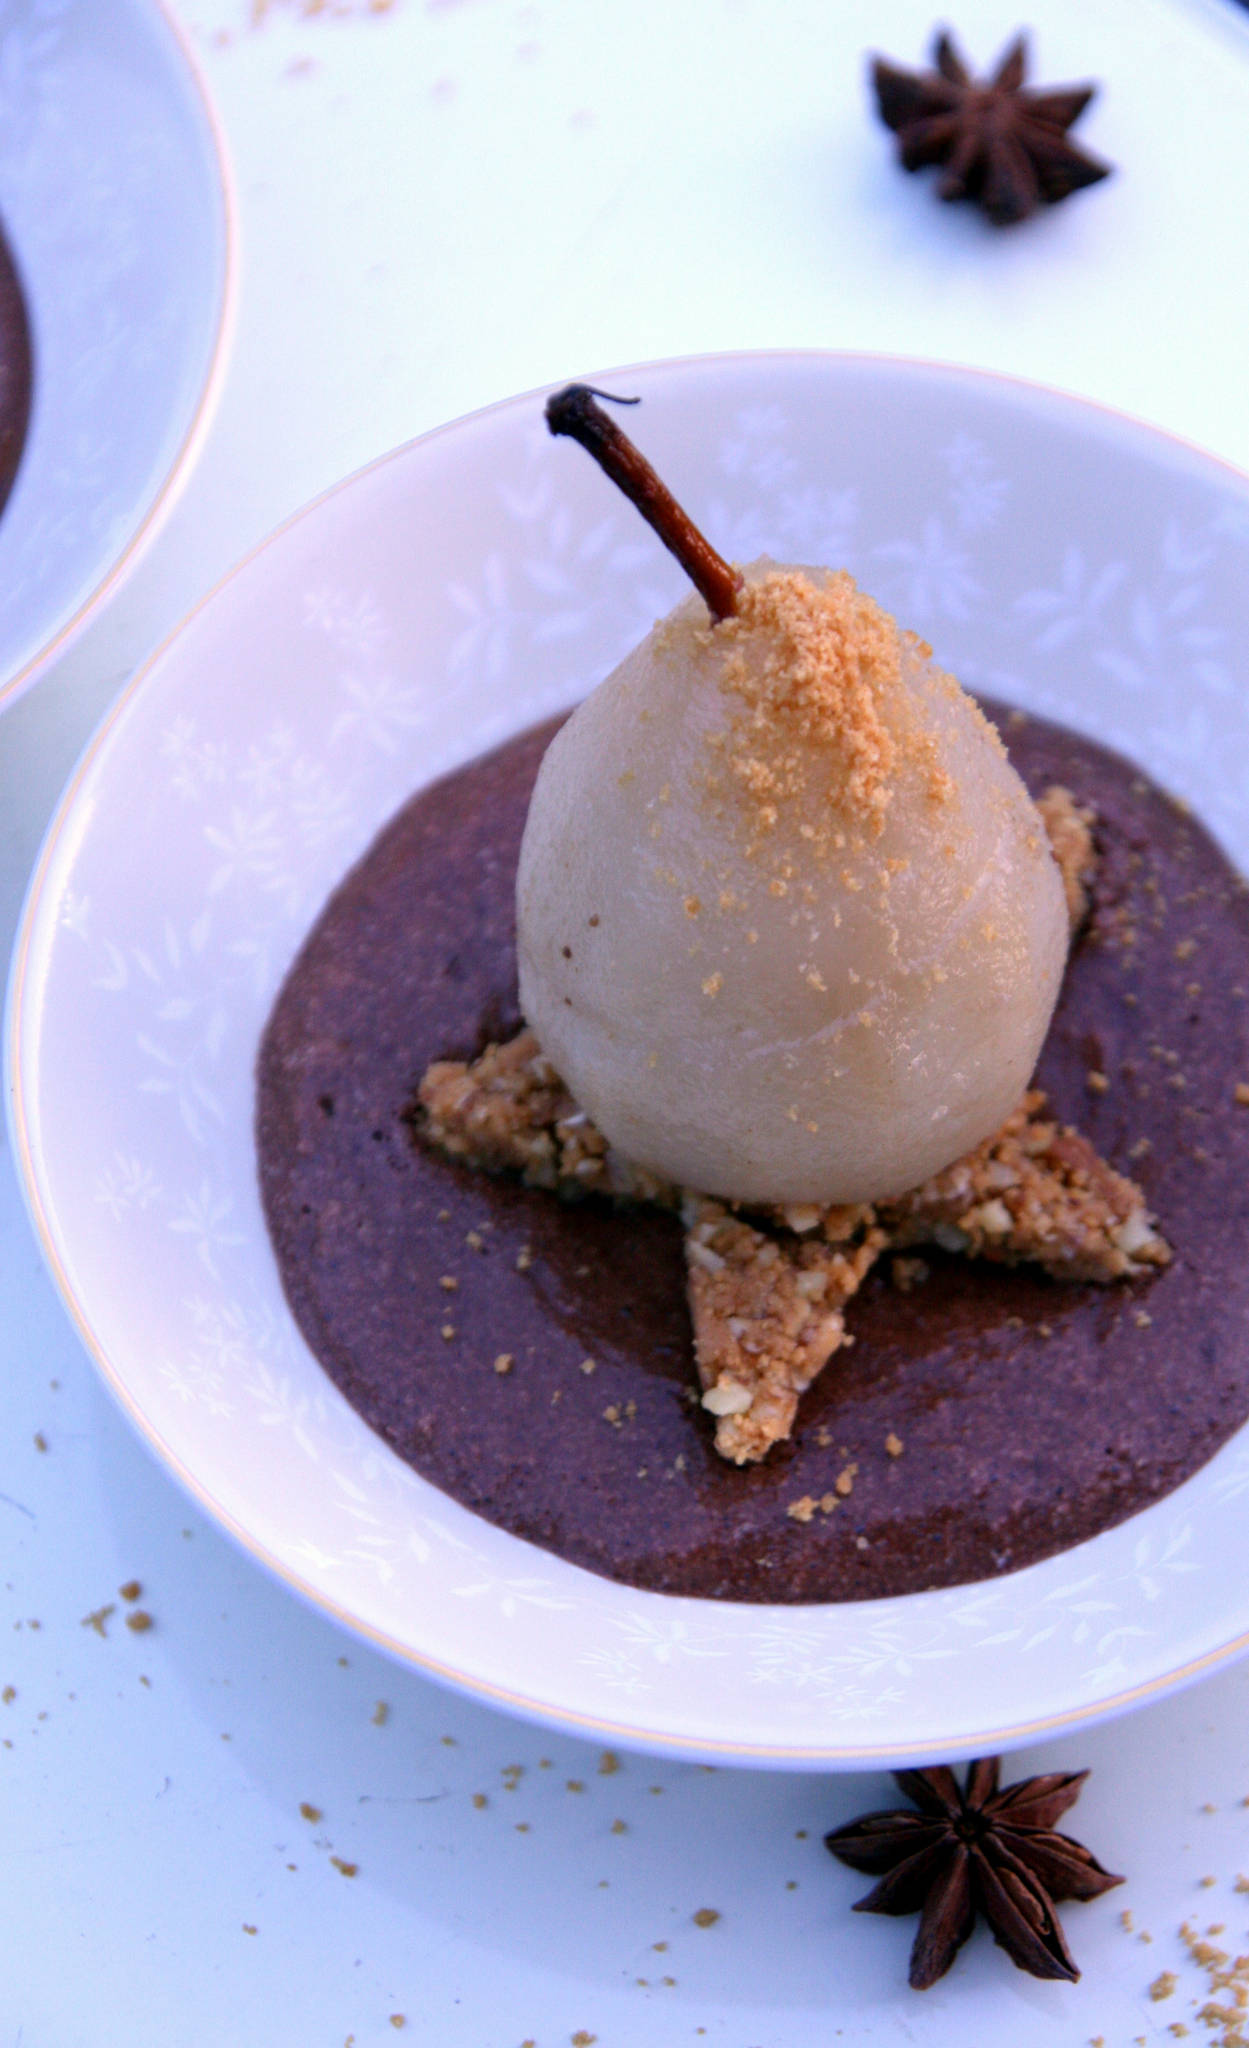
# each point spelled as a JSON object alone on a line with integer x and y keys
{"x": 1056, "y": 555}
{"x": 114, "y": 196}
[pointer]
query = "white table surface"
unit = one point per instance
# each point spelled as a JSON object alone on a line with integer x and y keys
{"x": 441, "y": 202}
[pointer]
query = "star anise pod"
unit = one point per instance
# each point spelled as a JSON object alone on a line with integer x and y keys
{"x": 1003, "y": 146}
{"x": 976, "y": 1850}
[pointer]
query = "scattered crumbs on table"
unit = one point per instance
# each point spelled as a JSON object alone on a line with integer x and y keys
{"x": 1096, "y": 1082}
{"x": 575, "y": 1785}
{"x": 347, "y": 1869}
{"x": 398, "y": 2019}
{"x": 1209, "y": 1807}
{"x": 608, "y": 1764}
{"x": 657, "y": 1789}
{"x": 98, "y": 1618}
{"x": 706, "y": 1916}
{"x": 248, "y": 1928}
{"x": 620, "y": 1827}
{"x": 524, "y": 1259}
{"x": 449, "y": 1741}
{"x": 130, "y": 1591}
{"x": 511, "y": 1775}
{"x": 1207, "y": 1883}
{"x": 145, "y": 1680}
{"x": 582, "y": 2038}
{"x": 1241, "y": 1884}
{"x": 524, "y": 1827}
{"x": 589, "y": 1365}
{"x": 545, "y": 1764}
{"x": 480, "y": 1801}
{"x": 40, "y": 1440}
{"x": 1242, "y": 1094}
{"x": 9, "y": 1695}
{"x": 139, "y": 1621}
{"x": 1163, "y": 1985}
{"x": 447, "y": 1331}
{"x": 660, "y": 1947}
{"x": 308, "y": 1811}
{"x": 894, "y": 1444}
{"x": 504, "y": 1362}
{"x": 1125, "y": 1920}
{"x": 381, "y": 1714}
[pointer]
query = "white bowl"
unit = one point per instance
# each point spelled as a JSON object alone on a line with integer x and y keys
{"x": 113, "y": 194}
{"x": 442, "y": 599}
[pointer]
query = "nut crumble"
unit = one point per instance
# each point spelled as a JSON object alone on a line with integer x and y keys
{"x": 768, "y": 1297}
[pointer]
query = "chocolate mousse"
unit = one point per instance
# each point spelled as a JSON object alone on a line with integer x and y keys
{"x": 532, "y": 1355}
{"x": 15, "y": 371}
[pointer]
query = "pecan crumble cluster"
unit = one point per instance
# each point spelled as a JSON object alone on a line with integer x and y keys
{"x": 768, "y": 1291}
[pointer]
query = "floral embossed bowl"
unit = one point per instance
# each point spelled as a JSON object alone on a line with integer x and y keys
{"x": 1077, "y": 563}
{"x": 113, "y": 196}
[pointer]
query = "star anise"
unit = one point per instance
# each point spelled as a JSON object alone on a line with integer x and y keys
{"x": 971, "y": 1850}
{"x": 1003, "y": 146}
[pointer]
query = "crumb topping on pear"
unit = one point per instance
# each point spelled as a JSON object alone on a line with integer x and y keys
{"x": 789, "y": 925}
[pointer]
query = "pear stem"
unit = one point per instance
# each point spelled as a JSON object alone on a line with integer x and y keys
{"x": 573, "y": 411}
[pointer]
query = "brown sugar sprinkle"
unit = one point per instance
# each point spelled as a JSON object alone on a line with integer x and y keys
{"x": 908, "y": 1274}
{"x": 1070, "y": 829}
{"x": 816, "y": 704}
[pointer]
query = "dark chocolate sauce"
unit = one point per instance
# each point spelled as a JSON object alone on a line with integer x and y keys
{"x": 16, "y": 371}
{"x": 1032, "y": 1414}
